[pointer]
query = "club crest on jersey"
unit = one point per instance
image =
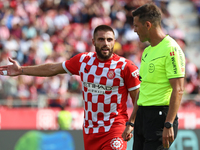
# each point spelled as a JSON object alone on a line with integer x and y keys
{"x": 116, "y": 144}
{"x": 111, "y": 74}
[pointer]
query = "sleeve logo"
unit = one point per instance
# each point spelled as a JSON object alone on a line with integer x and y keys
{"x": 135, "y": 73}
{"x": 172, "y": 54}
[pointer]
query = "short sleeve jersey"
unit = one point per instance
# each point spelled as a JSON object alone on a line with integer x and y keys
{"x": 159, "y": 64}
{"x": 105, "y": 86}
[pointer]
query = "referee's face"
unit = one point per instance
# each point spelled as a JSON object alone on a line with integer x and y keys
{"x": 104, "y": 42}
{"x": 141, "y": 29}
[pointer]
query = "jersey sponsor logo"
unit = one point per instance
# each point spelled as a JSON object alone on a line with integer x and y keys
{"x": 135, "y": 73}
{"x": 116, "y": 144}
{"x": 182, "y": 60}
{"x": 97, "y": 88}
{"x": 151, "y": 67}
{"x": 111, "y": 74}
{"x": 174, "y": 65}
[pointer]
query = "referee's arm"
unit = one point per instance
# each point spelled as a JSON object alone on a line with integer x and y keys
{"x": 177, "y": 85}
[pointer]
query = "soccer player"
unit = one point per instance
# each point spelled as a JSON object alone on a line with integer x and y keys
{"x": 162, "y": 73}
{"x": 107, "y": 79}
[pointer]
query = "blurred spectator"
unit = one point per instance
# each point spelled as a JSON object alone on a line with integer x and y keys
{"x": 197, "y": 5}
{"x": 45, "y": 47}
{"x": 64, "y": 119}
{"x": 5, "y": 33}
{"x": 61, "y": 19}
{"x": 74, "y": 85}
{"x": 16, "y": 31}
{"x": 10, "y": 90}
{"x": 11, "y": 46}
{"x": 29, "y": 31}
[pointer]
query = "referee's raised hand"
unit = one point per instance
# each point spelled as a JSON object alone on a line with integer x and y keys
{"x": 11, "y": 70}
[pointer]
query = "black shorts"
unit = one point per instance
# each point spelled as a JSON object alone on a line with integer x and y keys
{"x": 148, "y": 128}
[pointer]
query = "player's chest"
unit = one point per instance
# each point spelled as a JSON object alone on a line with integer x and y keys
{"x": 101, "y": 75}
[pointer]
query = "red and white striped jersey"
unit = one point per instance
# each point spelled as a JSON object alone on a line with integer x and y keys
{"x": 105, "y": 86}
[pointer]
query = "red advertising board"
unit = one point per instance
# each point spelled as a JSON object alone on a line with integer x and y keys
{"x": 45, "y": 119}
{"x": 33, "y": 118}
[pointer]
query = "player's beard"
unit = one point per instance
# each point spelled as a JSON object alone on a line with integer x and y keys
{"x": 103, "y": 56}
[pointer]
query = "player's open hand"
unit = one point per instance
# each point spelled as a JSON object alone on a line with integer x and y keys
{"x": 11, "y": 70}
{"x": 127, "y": 135}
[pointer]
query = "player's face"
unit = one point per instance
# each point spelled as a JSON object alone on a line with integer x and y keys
{"x": 104, "y": 42}
{"x": 140, "y": 29}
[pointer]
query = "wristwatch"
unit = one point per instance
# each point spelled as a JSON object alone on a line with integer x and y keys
{"x": 168, "y": 125}
{"x": 129, "y": 123}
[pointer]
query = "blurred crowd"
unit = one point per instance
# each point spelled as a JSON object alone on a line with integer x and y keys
{"x": 40, "y": 31}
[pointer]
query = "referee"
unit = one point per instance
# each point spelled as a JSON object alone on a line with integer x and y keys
{"x": 162, "y": 72}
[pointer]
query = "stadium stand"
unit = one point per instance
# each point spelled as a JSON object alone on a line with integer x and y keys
{"x": 39, "y": 31}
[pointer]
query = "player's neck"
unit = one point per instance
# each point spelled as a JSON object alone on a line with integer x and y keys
{"x": 101, "y": 59}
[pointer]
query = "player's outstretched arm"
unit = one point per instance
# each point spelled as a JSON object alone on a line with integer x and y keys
{"x": 44, "y": 70}
{"x": 11, "y": 70}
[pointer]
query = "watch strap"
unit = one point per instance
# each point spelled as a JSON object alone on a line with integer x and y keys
{"x": 168, "y": 125}
{"x": 129, "y": 123}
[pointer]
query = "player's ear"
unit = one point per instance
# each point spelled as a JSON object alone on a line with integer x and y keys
{"x": 148, "y": 24}
{"x": 93, "y": 42}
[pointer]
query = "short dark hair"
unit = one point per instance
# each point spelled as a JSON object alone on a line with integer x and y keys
{"x": 148, "y": 12}
{"x": 102, "y": 28}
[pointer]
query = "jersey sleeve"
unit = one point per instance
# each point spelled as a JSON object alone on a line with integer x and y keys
{"x": 72, "y": 66}
{"x": 131, "y": 76}
{"x": 175, "y": 63}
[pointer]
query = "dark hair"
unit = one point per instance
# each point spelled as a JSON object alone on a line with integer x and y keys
{"x": 102, "y": 28}
{"x": 148, "y": 12}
